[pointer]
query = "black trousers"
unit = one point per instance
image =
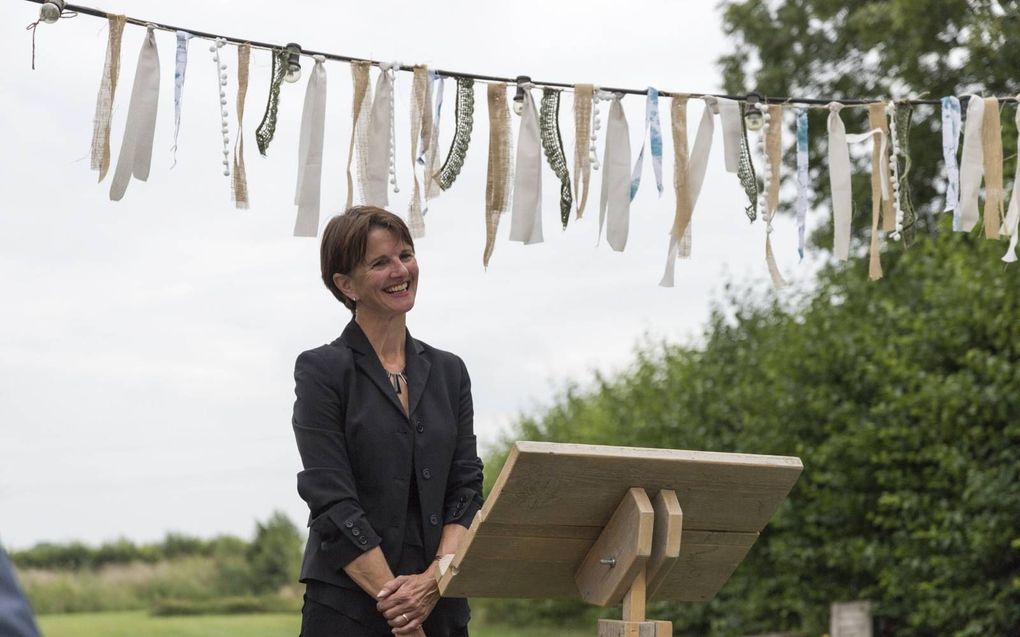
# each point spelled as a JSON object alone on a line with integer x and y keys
{"x": 320, "y": 620}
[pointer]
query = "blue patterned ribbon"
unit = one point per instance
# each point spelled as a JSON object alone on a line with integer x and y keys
{"x": 951, "y": 128}
{"x": 182, "y": 65}
{"x": 802, "y": 177}
{"x": 654, "y": 128}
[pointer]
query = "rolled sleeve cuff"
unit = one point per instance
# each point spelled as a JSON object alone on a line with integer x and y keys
{"x": 462, "y": 508}
{"x": 351, "y": 536}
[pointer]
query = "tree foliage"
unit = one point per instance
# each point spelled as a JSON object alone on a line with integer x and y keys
{"x": 900, "y": 397}
{"x": 877, "y": 49}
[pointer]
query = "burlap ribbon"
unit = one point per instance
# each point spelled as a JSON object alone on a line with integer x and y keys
{"x": 104, "y": 99}
{"x": 240, "y": 181}
{"x": 773, "y": 156}
{"x": 307, "y": 195}
{"x": 136, "y": 146}
{"x": 879, "y": 173}
{"x": 583, "y": 94}
{"x": 500, "y": 166}
{"x": 995, "y": 194}
{"x": 419, "y": 131}
{"x": 359, "y": 129}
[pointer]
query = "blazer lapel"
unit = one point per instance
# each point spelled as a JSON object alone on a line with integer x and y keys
{"x": 367, "y": 361}
{"x": 417, "y": 370}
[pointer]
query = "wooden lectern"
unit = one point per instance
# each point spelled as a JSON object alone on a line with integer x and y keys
{"x": 613, "y": 525}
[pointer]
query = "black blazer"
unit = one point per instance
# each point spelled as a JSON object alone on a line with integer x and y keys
{"x": 359, "y": 451}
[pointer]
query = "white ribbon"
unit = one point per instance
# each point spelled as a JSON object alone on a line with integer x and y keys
{"x": 803, "y": 180}
{"x": 950, "y": 144}
{"x": 697, "y": 168}
{"x": 1012, "y": 224}
{"x": 380, "y": 141}
{"x": 180, "y": 68}
{"x": 309, "y": 176}
{"x": 614, "y": 207}
{"x": 136, "y": 146}
{"x": 972, "y": 166}
{"x": 733, "y": 132}
{"x": 839, "y": 178}
{"x": 526, "y": 217}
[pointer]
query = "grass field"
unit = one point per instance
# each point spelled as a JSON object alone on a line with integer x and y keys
{"x": 136, "y": 624}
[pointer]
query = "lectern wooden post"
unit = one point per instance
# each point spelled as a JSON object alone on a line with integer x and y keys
{"x": 617, "y": 525}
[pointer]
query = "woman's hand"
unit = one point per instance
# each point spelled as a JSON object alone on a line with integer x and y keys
{"x": 406, "y": 601}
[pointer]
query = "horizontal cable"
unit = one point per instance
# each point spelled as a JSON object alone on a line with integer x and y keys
{"x": 809, "y": 101}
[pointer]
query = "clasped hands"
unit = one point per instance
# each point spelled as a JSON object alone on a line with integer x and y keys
{"x": 406, "y": 602}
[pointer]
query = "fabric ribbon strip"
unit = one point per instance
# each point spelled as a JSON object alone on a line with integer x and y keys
{"x": 773, "y": 148}
{"x": 500, "y": 167}
{"x": 680, "y": 244}
{"x": 552, "y": 144}
{"x": 464, "y": 116}
{"x": 733, "y": 132}
{"x": 526, "y": 219}
{"x": 803, "y": 178}
{"x": 104, "y": 99}
{"x": 264, "y": 133}
{"x": 950, "y": 144}
{"x": 378, "y": 160}
{"x": 583, "y": 94}
{"x": 839, "y": 177}
{"x": 431, "y": 158}
{"x": 747, "y": 176}
{"x": 1012, "y": 224}
{"x": 879, "y": 168}
{"x": 136, "y": 146}
{"x": 681, "y": 185}
{"x": 240, "y": 183}
{"x": 181, "y": 67}
{"x": 653, "y": 134}
{"x": 359, "y": 129}
{"x": 971, "y": 166}
{"x": 614, "y": 207}
{"x": 309, "y": 177}
{"x": 906, "y": 217}
{"x": 419, "y": 131}
{"x": 995, "y": 194}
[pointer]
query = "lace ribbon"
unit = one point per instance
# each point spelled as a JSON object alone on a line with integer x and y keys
{"x": 104, "y": 99}
{"x": 614, "y": 207}
{"x": 950, "y": 143}
{"x": 419, "y": 131}
{"x": 526, "y": 218}
{"x": 879, "y": 177}
{"x": 462, "y": 133}
{"x": 773, "y": 147}
{"x": 359, "y": 129}
{"x": 240, "y": 182}
{"x": 500, "y": 167}
{"x": 307, "y": 195}
{"x": 180, "y": 68}
{"x": 906, "y": 218}
{"x": 971, "y": 166}
{"x": 746, "y": 174}
{"x": 1011, "y": 227}
{"x": 653, "y": 134}
{"x": 552, "y": 144}
{"x": 378, "y": 158}
{"x": 583, "y": 94}
{"x": 136, "y": 145}
{"x": 264, "y": 133}
{"x": 995, "y": 194}
{"x": 803, "y": 179}
{"x": 681, "y": 184}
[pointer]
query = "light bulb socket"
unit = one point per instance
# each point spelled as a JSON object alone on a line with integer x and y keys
{"x": 519, "y": 95}
{"x": 293, "y": 62}
{"x": 51, "y": 10}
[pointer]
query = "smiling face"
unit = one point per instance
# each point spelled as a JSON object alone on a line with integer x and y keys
{"x": 385, "y": 283}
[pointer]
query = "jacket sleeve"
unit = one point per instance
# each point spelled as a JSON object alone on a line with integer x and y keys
{"x": 327, "y": 481}
{"x": 464, "y": 485}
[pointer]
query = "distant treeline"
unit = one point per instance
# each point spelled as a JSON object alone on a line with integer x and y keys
{"x": 78, "y": 555}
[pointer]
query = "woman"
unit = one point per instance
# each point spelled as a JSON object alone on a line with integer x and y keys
{"x": 384, "y": 426}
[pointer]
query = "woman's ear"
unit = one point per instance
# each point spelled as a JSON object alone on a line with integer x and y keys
{"x": 345, "y": 284}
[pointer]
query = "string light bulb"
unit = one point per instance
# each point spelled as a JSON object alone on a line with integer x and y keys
{"x": 293, "y": 63}
{"x": 754, "y": 118}
{"x": 51, "y": 10}
{"x": 519, "y": 95}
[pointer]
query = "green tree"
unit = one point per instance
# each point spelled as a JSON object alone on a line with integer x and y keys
{"x": 274, "y": 557}
{"x": 877, "y": 49}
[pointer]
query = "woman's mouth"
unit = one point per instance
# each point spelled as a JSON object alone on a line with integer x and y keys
{"x": 396, "y": 289}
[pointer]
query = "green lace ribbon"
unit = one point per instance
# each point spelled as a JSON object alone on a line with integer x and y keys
{"x": 746, "y": 174}
{"x": 465, "y": 116}
{"x": 552, "y": 144}
{"x": 264, "y": 133}
{"x": 904, "y": 115}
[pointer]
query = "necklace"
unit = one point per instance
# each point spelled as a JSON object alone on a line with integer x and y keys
{"x": 395, "y": 378}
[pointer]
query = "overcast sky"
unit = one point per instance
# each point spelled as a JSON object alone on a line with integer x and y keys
{"x": 146, "y": 375}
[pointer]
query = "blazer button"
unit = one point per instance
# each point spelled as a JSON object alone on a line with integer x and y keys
{"x": 355, "y": 531}
{"x": 420, "y": 428}
{"x": 426, "y": 473}
{"x": 348, "y": 524}
{"x": 363, "y": 540}
{"x": 419, "y": 425}
{"x": 434, "y": 519}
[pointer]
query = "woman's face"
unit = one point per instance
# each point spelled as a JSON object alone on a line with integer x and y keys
{"x": 385, "y": 284}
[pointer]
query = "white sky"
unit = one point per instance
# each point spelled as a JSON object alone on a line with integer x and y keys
{"x": 148, "y": 345}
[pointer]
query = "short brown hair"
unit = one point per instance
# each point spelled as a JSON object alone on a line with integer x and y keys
{"x": 345, "y": 240}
